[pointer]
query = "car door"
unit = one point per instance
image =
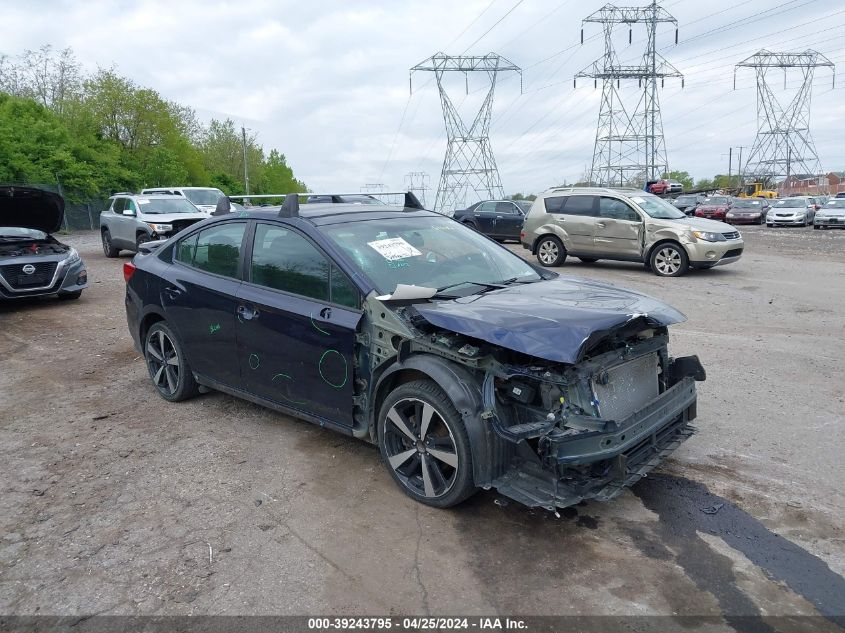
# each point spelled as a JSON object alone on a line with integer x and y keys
{"x": 485, "y": 217}
{"x": 200, "y": 299}
{"x": 578, "y": 217}
{"x": 618, "y": 229}
{"x": 116, "y": 222}
{"x": 508, "y": 222}
{"x": 298, "y": 315}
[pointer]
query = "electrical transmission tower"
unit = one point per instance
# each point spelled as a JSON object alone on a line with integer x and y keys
{"x": 783, "y": 144}
{"x": 417, "y": 182}
{"x": 629, "y": 142}
{"x": 469, "y": 164}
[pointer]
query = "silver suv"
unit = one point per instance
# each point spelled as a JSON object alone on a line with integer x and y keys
{"x": 132, "y": 220}
{"x": 627, "y": 225}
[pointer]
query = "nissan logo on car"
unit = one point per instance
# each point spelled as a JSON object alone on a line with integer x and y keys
{"x": 28, "y": 269}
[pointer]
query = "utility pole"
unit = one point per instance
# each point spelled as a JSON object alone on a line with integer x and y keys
{"x": 246, "y": 162}
{"x": 469, "y": 166}
{"x": 629, "y": 141}
{"x": 783, "y": 132}
{"x": 730, "y": 166}
{"x": 739, "y": 173}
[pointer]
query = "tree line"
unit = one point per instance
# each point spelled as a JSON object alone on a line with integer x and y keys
{"x": 94, "y": 134}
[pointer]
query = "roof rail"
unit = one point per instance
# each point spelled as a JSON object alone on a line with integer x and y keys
{"x": 290, "y": 207}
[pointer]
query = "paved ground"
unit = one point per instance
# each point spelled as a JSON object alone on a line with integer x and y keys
{"x": 115, "y": 501}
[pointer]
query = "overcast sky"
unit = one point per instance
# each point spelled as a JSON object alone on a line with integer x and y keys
{"x": 326, "y": 82}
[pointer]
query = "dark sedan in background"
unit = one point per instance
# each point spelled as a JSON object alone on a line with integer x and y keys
{"x": 748, "y": 211}
{"x": 714, "y": 207}
{"x": 32, "y": 261}
{"x": 688, "y": 202}
{"x": 499, "y": 219}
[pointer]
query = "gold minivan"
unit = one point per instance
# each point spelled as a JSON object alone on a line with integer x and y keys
{"x": 593, "y": 223}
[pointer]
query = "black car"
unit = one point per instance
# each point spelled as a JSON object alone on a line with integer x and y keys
{"x": 499, "y": 219}
{"x": 688, "y": 202}
{"x": 32, "y": 261}
{"x": 467, "y": 365}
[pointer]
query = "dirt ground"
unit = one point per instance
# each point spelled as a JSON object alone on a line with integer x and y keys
{"x": 115, "y": 501}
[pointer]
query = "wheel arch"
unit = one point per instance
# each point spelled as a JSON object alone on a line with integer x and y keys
{"x": 550, "y": 230}
{"x": 149, "y": 319}
{"x": 669, "y": 239}
{"x": 489, "y": 454}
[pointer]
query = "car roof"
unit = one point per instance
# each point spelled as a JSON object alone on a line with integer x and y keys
{"x": 320, "y": 214}
{"x": 620, "y": 191}
{"x": 157, "y": 196}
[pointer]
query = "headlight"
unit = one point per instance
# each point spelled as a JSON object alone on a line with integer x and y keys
{"x": 160, "y": 228}
{"x": 708, "y": 236}
{"x": 72, "y": 256}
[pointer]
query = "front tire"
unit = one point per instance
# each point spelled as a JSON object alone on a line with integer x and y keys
{"x": 424, "y": 444}
{"x": 669, "y": 260}
{"x": 141, "y": 238}
{"x": 108, "y": 248}
{"x": 550, "y": 251}
{"x": 169, "y": 369}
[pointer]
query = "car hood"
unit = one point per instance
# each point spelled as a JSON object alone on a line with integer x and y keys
{"x": 557, "y": 320}
{"x": 166, "y": 218}
{"x": 704, "y": 224}
{"x": 746, "y": 210}
{"x": 31, "y": 208}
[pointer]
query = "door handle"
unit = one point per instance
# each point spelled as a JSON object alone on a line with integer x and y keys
{"x": 247, "y": 313}
{"x": 326, "y": 313}
{"x": 600, "y": 225}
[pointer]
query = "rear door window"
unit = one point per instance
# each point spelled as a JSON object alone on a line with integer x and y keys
{"x": 486, "y": 207}
{"x": 580, "y": 205}
{"x": 555, "y": 205}
{"x": 505, "y": 208}
{"x": 218, "y": 249}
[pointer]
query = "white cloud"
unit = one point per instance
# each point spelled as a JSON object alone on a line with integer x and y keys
{"x": 327, "y": 82}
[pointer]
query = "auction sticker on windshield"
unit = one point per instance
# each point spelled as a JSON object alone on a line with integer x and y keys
{"x": 394, "y": 248}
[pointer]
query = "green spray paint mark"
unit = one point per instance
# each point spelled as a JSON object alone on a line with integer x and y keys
{"x": 345, "y": 369}
{"x": 254, "y": 361}
{"x": 286, "y": 377}
{"x": 317, "y": 327}
{"x": 213, "y": 328}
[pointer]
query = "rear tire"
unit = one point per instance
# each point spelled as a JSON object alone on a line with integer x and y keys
{"x": 669, "y": 259}
{"x": 108, "y": 248}
{"x": 424, "y": 444}
{"x": 168, "y": 368}
{"x": 550, "y": 251}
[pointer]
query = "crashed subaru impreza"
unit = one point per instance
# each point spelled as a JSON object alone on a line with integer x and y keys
{"x": 468, "y": 366}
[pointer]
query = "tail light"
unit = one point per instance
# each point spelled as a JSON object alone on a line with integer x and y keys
{"x": 522, "y": 235}
{"x": 128, "y": 270}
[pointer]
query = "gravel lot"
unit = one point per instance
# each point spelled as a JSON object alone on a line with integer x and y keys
{"x": 115, "y": 501}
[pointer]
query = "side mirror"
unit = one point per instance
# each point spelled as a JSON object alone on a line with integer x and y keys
{"x": 128, "y": 212}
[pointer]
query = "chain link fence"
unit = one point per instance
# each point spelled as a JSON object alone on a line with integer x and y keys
{"x": 82, "y": 212}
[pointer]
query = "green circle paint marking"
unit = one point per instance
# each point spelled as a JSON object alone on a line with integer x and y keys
{"x": 317, "y": 327}
{"x": 345, "y": 369}
{"x": 254, "y": 361}
{"x": 285, "y": 376}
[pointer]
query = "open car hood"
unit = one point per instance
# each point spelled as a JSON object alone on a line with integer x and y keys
{"x": 557, "y": 320}
{"x": 31, "y": 208}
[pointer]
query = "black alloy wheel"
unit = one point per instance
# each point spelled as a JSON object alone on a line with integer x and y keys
{"x": 169, "y": 370}
{"x": 424, "y": 444}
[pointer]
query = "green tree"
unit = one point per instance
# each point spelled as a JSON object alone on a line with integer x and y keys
{"x": 682, "y": 177}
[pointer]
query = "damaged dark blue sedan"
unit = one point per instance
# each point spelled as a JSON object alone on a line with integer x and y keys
{"x": 468, "y": 366}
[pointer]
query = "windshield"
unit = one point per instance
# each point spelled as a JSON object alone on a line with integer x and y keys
{"x": 747, "y": 204}
{"x": 28, "y": 234}
{"x": 361, "y": 200}
{"x": 658, "y": 208}
{"x": 159, "y": 206}
{"x": 716, "y": 200}
{"x": 684, "y": 199}
{"x": 525, "y": 205}
{"x": 791, "y": 203}
{"x": 426, "y": 251}
{"x": 203, "y": 196}
{"x": 839, "y": 203}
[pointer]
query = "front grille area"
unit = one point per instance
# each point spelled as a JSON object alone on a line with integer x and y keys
{"x": 626, "y": 388}
{"x": 178, "y": 225}
{"x": 734, "y": 252}
{"x": 19, "y": 280}
{"x": 731, "y": 235}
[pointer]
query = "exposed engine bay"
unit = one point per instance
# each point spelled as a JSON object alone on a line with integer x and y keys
{"x": 24, "y": 247}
